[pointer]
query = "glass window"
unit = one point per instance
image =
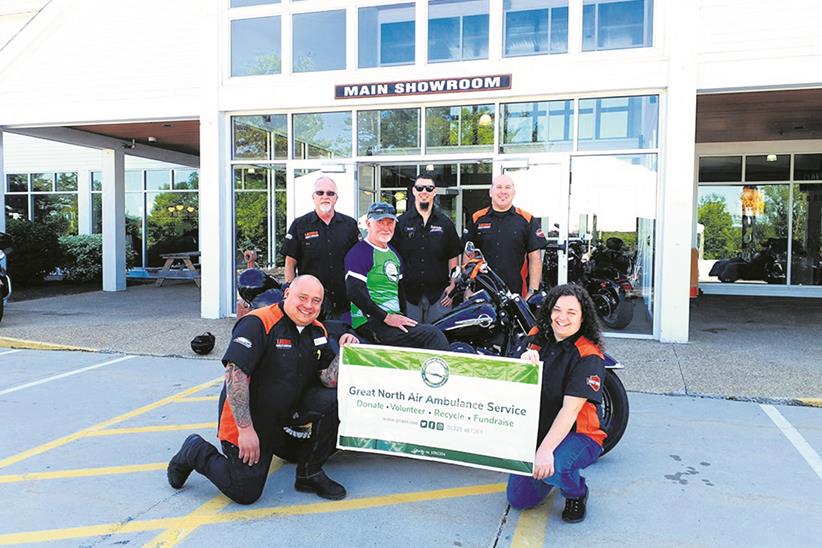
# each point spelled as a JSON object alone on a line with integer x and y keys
{"x": 171, "y": 224}
{"x": 535, "y": 27}
{"x": 536, "y": 127}
{"x": 319, "y": 41}
{"x": 322, "y": 135}
{"x": 18, "y": 182}
{"x": 134, "y": 181}
{"x": 158, "y": 179}
{"x": 255, "y": 46}
{"x": 395, "y": 131}
{"x": 616, "y": 24}
{"x": 258, "y": 191}
{"x": 771, "y": 167}
{"x": 468, "y": 128}
{"x": 386, "y": 35}
{"x": 807, "y": 167}
{"x": 720, "y": 169}
{"x": 96, "y": 213}
{"x": 66, "y": 182}
{"x": 618, "y": 123}
{"x": 242, "y": 3}
{"x": 457, "y": 30}
{"x": 17, "y": 206}
{"x": 60, "y": 209}
{"x": 42, "y": 182}
{"x": 96, "y": 181}
{"x": 615, "y": 197}
{"x": 186, "y": 179}
{"x": 260, "y": 137}
{"x": 806, "y": 247}
{"x": 134, "y": 223}
{"x": 744, "y": 230}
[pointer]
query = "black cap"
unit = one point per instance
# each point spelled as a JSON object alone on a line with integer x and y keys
{"x": 381, "y": 210}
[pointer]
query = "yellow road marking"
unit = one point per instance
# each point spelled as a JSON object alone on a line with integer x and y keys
{"x": 156, "y": 428}
{"x": 83, "y": 472}
{"x": 198, "y": 398}
{"x": 812, "y": 402}
{"x": 171, "y": 537}
{"x": 139, "y": 526}
{"x": 530, "y": 531}
{"x": 37, "y": 345}
{"x": 101, "y": 425}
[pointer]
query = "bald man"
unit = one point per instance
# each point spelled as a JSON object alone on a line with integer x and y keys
{"x": 510, "y": 238}
{"x": 274, "y": 365}
{"x": 316, "y": 244}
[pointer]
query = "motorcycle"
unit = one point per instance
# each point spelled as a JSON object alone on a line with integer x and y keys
{"x": 494, "y": 321}
{"x": 604, "y": 276}
{"x": 5, "y": 280}
{"x": 766, "y": 264}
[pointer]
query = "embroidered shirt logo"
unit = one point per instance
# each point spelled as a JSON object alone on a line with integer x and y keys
{"x": 243, "y": 341}
{"x": 594, "y": 382}
{"x": 283, "y": 343}
{"x": 311, "y": 234}
{"x": 435, "y": 228}
{"x": 483, "y": 226}
{"x": 392, "y": 271}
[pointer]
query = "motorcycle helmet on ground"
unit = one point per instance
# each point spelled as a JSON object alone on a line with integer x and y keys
{"x": 203, "y": 344}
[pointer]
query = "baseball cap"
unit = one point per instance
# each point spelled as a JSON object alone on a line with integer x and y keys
{"x": 381, "y": 210}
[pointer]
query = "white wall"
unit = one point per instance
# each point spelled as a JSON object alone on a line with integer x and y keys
{"x": 759, "y": 43}
{"x": 14, "y": 14}
{"x": 98, "y": 60}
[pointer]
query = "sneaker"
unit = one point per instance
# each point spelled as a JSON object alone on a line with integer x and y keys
{"x": 575, "y": 509}
{"x": 320, "y": 484}
{"x": 178, "y": 467}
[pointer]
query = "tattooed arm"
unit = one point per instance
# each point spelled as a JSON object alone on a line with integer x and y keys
{"x": 328, "y": 376}
{"x": 236, "y": 385}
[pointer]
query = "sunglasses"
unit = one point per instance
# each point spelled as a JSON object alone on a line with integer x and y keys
{"x": 426, "y": 188}
{"x": 329, "y": 193}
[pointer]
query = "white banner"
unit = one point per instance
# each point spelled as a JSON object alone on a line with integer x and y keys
{"x": 464, "y": 409}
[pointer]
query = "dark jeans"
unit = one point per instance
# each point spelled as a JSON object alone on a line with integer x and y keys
{"x": 575, "y": 452}
{"x": 422, "y": 335}
{"x": 243, "y": 483}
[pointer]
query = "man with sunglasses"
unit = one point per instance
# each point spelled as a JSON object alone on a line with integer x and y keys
{"x": 428, "y": 243}
{"x": 316, "y": 244}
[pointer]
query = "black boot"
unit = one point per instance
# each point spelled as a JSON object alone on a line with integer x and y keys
{"x": 575, "y": 509}
{"x": 320, "y": 484}
{"x": 180, "y": 467}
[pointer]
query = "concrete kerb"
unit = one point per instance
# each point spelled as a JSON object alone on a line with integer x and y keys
{"x": 24, "y": 344}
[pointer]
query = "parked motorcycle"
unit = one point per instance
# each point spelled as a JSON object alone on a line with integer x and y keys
{"x": 494, "y": 321}
{"x": 604, "y": 276}
{"x": 766, "y": 264}
{"x": 5, "y": 280}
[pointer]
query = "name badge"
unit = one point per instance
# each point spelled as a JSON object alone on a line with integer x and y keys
{"x": 320, "y": 340}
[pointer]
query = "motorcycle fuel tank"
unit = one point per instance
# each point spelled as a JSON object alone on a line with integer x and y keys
{"x": 472, "y": 321}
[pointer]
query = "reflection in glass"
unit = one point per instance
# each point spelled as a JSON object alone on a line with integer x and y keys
{"x": 171, "y": 224}
{"x": 615, "y": 197}
{"x": 256, "y": 189}
{"x": 468, "y": 128}
{"x": 96, "y": 181}
{"x": 761, "y": 168}
{"x": 806, "y": 247}
{"x": 60, "y": 209}
{"x": 807, "y": 167}
{"x": 66, "y": 182}
{"x": 386, "y": 35}
{"x": 96, "y": 212}
{"x": 134, "y": 225}
{"x": 457, "y": 30}
{"x": 536, "y": 127}
{"x": 395, "y": 131}
{"x": 42, "y": 182}
{"x": 322, "y": 135}
{"x": 319, "y": 41}
{"x": 186, "y": 179}
{"x": 134, "y": 181}
{"x": 475, "y": 174}
{"x": 535, "y": 27}
{"x": 241, "y": 3}
{"x": 616, "y": 123}
{"x": 18, "y": 182}
{"x": 617, "y": 24}
{"x": 17, "y": 206}
{"x": 720, "y": 169}
{"x": 255, "y": 46}
{"x": 262, "y": 137}
{"x": 158, "y": 179}
{"x": 746, "y": 224}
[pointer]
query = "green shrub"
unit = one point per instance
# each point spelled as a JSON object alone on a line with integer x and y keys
{"x": 36, "y": 250}
{"x": 83, "y": 257}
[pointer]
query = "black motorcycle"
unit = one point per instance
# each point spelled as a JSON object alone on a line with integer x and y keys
{"x": 766, "y": 264}
{"x": 494, "y": 321}
{"x": 5, "y": 280}
{"x": 604, "y": 276}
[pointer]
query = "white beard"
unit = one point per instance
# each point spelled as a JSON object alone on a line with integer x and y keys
{"x": 325, "y": 208}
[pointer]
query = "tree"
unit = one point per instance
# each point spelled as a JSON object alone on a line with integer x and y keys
{"x": 722, "y": 239}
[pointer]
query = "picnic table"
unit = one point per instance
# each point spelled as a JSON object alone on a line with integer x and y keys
{"x": 172, "y": 268}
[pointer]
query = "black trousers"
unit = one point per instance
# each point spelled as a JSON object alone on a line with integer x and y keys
{"x": 243, "y": 483}
{"x": 422, "y": 335}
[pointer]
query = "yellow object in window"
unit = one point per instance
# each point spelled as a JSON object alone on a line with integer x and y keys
{"x": 753, "y": 203}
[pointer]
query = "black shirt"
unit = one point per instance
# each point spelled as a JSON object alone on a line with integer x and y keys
{"x": 572, "y": 367}
{"x": 425, "y": 249}
{"x": 320, "y": 249}
{"x": 505, "y": 238}
{"x": 281, "y": 362}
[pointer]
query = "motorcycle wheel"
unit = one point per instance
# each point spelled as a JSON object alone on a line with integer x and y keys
{"x": 615, "y": 315}
{"x": 614, "y": 410}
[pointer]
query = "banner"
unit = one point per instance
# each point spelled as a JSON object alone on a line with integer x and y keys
{"x": 463, "y": 409}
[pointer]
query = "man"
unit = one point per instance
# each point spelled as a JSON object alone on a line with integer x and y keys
{"x": 271, "y": 370}
{"x": 428, "y": 243}
{"x": 316, "y": 244}
{"x": 510, "y": 238}
{"x": 372, "y": 278}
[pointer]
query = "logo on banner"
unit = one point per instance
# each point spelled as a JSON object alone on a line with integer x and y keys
{"x": 434, "y": 372}
{"x": 594, "y": 382}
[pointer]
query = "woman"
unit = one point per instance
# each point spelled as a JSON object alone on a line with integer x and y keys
{"x": 570, "y": 438}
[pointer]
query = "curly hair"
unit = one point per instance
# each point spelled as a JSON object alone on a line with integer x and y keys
{"x": 590, "y": 327}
